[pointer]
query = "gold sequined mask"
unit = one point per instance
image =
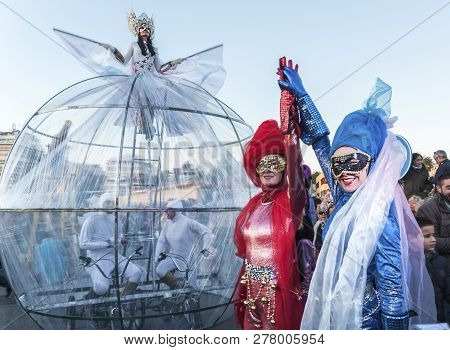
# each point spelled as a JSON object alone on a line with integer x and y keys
{"x": 271, "y": 162}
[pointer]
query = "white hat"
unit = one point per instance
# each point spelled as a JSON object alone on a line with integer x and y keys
{"x": 175, "y": 204}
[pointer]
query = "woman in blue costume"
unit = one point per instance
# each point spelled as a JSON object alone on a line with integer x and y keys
{"x": 370, "y": 273}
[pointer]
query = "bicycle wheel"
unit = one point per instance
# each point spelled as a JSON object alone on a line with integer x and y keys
{"x": 134, "y": 315}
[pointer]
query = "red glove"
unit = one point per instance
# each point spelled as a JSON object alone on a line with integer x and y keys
{"x": 289, "y": 118}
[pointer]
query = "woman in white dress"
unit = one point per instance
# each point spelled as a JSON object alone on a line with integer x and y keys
{"x": 170, "y": 91}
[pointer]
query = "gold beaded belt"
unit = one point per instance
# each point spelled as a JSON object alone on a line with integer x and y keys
{"x": 260, "y": 273}
{"x": 266, "y": 290}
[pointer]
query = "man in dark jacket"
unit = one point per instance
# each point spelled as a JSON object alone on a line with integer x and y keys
{"x": 437, "y": 209}
{"x": 415, "y": 182}
{"x": 440, "y": 157}
{"x": 439, "y": 271}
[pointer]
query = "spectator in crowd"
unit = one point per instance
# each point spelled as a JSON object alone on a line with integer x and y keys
{"x": 415, "y": 203}
{"x": 51, "y": 261}
{"x": 440, "y": 157}
{"x": 437, "y": 209}
{"x": 416, "y": 182}
{"x": 323, "y": 213}
{"x": 307, "y": 256}
{"x": 318, "y": 227}
{"x": 310, "y": 208}
{"x": 317, "y": 201}
{"x": 439, "y": 270}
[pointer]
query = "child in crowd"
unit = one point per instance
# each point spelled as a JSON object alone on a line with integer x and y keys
{"x": 438, "y": 269}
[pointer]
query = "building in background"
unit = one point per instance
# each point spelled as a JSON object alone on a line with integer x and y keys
{"x": 321, "y": 186}
{"x": 7, "y": 139}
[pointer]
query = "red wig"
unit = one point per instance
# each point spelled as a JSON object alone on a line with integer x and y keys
{"x": 267, "y": 139}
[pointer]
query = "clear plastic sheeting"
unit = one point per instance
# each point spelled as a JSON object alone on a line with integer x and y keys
{"x": 84, "y": 197}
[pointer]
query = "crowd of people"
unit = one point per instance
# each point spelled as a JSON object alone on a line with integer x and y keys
{"x": 429, "y": 199}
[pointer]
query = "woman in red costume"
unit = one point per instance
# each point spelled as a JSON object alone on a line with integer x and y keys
{"x": 268, "y": 294}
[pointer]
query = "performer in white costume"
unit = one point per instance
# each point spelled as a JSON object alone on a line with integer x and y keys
{"x": 203, "y": 68}
{"x": 180, "y": 235}
{"x": 168, "y": 91}
{"x": 97, "y": 237}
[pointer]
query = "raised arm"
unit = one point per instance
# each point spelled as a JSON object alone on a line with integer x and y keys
{"x": 294, "y": 169}
{"x": 314, "y": 130}
{"x": 295, "y": 177}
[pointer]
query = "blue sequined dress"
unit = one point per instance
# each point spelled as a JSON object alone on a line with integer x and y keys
{"x": 383, "y": 305}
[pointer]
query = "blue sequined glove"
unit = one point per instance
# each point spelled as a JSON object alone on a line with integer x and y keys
{"x": 311, "y": 123}
{"x": 292, "y": 82}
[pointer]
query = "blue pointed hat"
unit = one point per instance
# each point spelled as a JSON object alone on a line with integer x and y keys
{"x": 366, "y": 129}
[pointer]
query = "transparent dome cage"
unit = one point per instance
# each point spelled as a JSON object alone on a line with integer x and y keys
{"x": 145, "y": 141}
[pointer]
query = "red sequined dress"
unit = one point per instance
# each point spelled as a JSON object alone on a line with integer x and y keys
{"x": 268, "y": 295}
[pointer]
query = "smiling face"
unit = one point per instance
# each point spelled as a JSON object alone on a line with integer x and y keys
{"x": 350, "y": 167}
{"x": 418, "y": 161}
{"x": 270, "y": 179}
